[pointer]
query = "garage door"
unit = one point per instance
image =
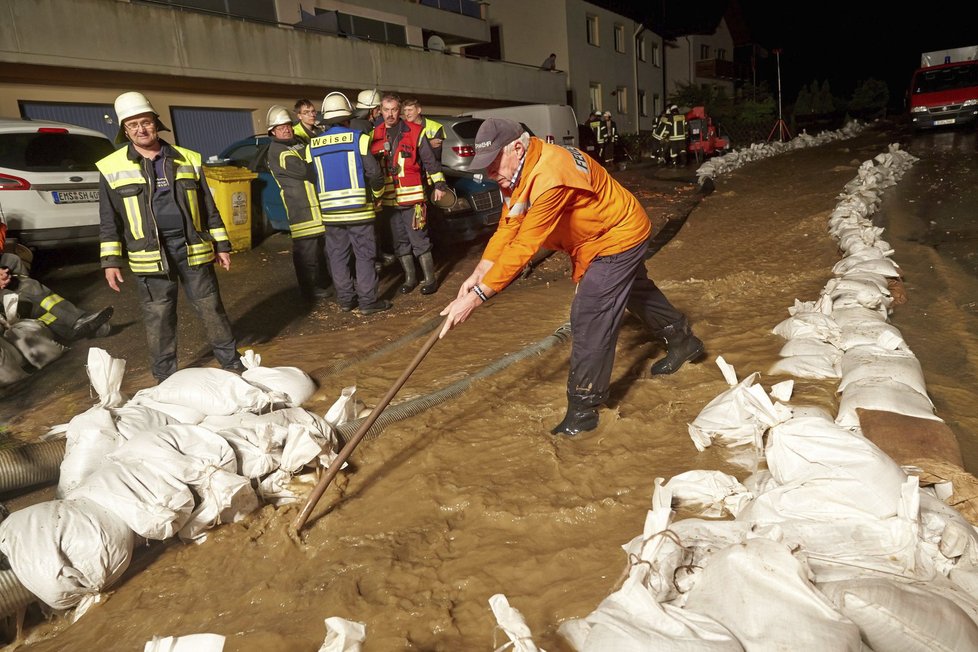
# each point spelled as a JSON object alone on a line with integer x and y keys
{"x": 208, "y": 131}
{"x": 100, "y": 117}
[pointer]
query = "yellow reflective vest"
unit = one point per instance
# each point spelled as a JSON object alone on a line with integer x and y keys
{"x": 126, "y": 210}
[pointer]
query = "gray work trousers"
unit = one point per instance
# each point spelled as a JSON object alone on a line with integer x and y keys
{"x": 407, "y": 240}
{"x": 158, "y": 296}
{"x": 344, "y": 241}
{"x": 311, "y": 266}
{"x": 610, "y": 284}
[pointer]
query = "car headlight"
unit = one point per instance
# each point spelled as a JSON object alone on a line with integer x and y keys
{"x": 970, "y": 102}
{"x": 461, "y": 204}
{"x": 919, "y": 109}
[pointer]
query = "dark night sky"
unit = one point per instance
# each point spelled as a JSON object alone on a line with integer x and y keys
{"x": 844, "y": 42}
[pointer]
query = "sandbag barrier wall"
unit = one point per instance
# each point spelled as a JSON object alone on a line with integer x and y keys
{"x": 832, "y": 545}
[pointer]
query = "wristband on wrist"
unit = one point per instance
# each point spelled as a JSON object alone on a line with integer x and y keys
{"x": 479, "y": 293}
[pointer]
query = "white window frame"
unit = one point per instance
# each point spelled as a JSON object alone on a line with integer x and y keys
{"x": 594, "y": 93}
{"x": 704, "y": 52}
{"x": 640, "y": 48}
{"x": 621, "y": 96}
{"x": 619, "y": 38}
{"x": 592, "y": 29}
{"x": 643, "y": 103}
{"x": 655, "y": 55}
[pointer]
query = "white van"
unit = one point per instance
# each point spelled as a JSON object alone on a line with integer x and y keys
{"x": 554, "y": 123}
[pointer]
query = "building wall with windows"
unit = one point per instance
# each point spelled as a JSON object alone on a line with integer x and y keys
{"x": 596, "y": 48}
{"x": 702, "y": 60}
{"x": 193, "y": 59}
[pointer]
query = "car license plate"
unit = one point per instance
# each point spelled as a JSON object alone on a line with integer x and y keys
{"x": 74, "y": 196}
{"x": 945, "y": 121}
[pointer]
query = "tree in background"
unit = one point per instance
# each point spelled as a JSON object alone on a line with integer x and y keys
{"x": 870, "y": 99}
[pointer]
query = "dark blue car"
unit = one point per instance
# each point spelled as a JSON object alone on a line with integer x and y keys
{"x": 475, "y": 214}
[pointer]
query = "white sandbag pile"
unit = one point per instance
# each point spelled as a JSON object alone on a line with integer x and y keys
{"x": 201, "y": 448}
{"x": 734, "y": 159}
{"x": 26, "y": 344}
{"x": 832, "y": 545}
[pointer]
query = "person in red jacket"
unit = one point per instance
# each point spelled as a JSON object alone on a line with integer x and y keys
{"x": 560, "y": 198}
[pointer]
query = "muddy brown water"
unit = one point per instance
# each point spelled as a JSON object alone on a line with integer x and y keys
{"x": 473, "y": 497}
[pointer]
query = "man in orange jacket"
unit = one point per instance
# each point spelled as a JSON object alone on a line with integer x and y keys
{"x": 559, "y": 198}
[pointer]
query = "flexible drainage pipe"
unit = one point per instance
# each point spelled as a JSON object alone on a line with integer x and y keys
{"x": 13, "y": 595}
{"x": 30, "y": 464}
{"x": 421, "y": 403}
{"x": 33, "y": 464}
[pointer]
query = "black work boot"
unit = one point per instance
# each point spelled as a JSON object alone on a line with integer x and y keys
{"x": 681, "y": 347}
{"x": 380, "y": 305}
{"x": 581, "y": 416}
{"x": 429, "y": 284}
{"x": 410, "y": 274}
{"x": 91, "y": 324}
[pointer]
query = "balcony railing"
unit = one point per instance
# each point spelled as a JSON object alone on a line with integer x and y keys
{"x": 470, "y": 8}
{"x": 721, "y": 69}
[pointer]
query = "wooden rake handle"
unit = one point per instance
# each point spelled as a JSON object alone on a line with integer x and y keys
{"x": 347, "y": 450}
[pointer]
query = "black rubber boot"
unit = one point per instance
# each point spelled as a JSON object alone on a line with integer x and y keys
{"x": 410, "y": 274}
{"x": 681, "y": 347}
{"x": 379, "y": 305}
{"x": 429, "y": 284}
{"x": 91, "y": 324}
{"x": 581, "y": 416}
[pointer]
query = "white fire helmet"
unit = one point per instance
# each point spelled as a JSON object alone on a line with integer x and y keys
{"x": 277, "y": 115}
{"x": 336, "y": 108}
{"x": 369, "y": 99}
{"x": 133, "y": 103}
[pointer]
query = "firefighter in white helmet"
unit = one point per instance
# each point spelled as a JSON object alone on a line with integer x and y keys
{"x": 367, "y": 110}
{"x": 286, "y": 158}
{"x": 348, "y": 182}
{"x": 157, "y": 211}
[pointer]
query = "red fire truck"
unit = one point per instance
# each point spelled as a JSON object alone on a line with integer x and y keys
{"x": 944, "y": 90}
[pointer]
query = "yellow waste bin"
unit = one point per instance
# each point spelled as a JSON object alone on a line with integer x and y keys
{"x": 231, "y": 187}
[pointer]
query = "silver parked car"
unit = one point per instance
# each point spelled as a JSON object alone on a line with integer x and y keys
{"x": 49, "y": 182}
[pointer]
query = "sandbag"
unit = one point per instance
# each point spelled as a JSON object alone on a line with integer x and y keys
{"x": 90, "y": 438}
{"x": 210, "y": 392}
{"x": 186, "y": 453}
{"x": 174, "y": 412}
{"x": 866, "y": 362}
{"x": 188, "y": 643}
{"x": 153, "y": 504}
{"x": 343, "y": 635}
{"x": 896, "y": 616}
{"x": 130, "y": 420}
{"x": 224, "y": 497}
{"x": 761, "y": 594}
{"x": 808, "y": 366}
{"x": 511, "y": 621}
{"x": 880, "y": 394}
{"x": 258, "y": 450}
{"x": 711, "y": 493}
{"x": 35, "y": 341}
{"x": 294, "y": 383}
{"x": 11, "y": 363}
{"x": 64, "y": 550}
{"x": 105, "y": 373}
{"x": 809, "y": 346}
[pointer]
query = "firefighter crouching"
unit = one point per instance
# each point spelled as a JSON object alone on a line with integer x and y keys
{"x": 406, "y": 157}
{"x": 348, "y": 181}
{"x": 155, "y": 207}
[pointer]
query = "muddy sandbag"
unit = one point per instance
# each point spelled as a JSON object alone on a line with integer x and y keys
{"x": 909, "y": 439}
{"x": 223, "y": 497}
{"x": 35, "y": 342}
{"x": 185, "y": 452}
{"x": 810, "y": 346}
{"x": 511, "y": 621}
{"x": 808, "y": 366}
{"x": 294, "y": 383}
{"x": 90, "y": 438}
{"x": 711, "y": 493}
{"x": 11, "y": 363}
{"x": 210, "y": 392}
{"x": 630, "y": 620}
{"x": 258, "y": 450}
{"x": 895, "y": 616}
{"x": 152, "y": 503}
{"x": 761, "y": 593}
{"x": 174, "y": 413}
{"x": 65, "y": 550}
{"x": 866, "y": 362}
{"x": 885, "y": 395}
{"x": 812, "y": 448}
{"x": 344, "y": 635}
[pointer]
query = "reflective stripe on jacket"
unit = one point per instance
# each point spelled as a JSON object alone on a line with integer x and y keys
{"x": 566, "y": 201}
{"x": 287, "y": 163}
{"x": 341, "y": 180}
{"x": 126, "y": 210}
{"x": 404, "y": 178}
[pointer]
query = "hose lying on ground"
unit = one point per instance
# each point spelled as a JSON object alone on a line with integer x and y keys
{"x": 30, "y": 464}
{"x": 361, "y": 356}
{"x": 421, "y": 403}
{"x": 13, "y": 595}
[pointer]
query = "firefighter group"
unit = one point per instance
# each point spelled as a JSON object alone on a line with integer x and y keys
{"x": 669, "y": 136}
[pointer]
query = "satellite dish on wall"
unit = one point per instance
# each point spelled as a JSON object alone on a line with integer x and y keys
{"x": 436, "y": 43}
